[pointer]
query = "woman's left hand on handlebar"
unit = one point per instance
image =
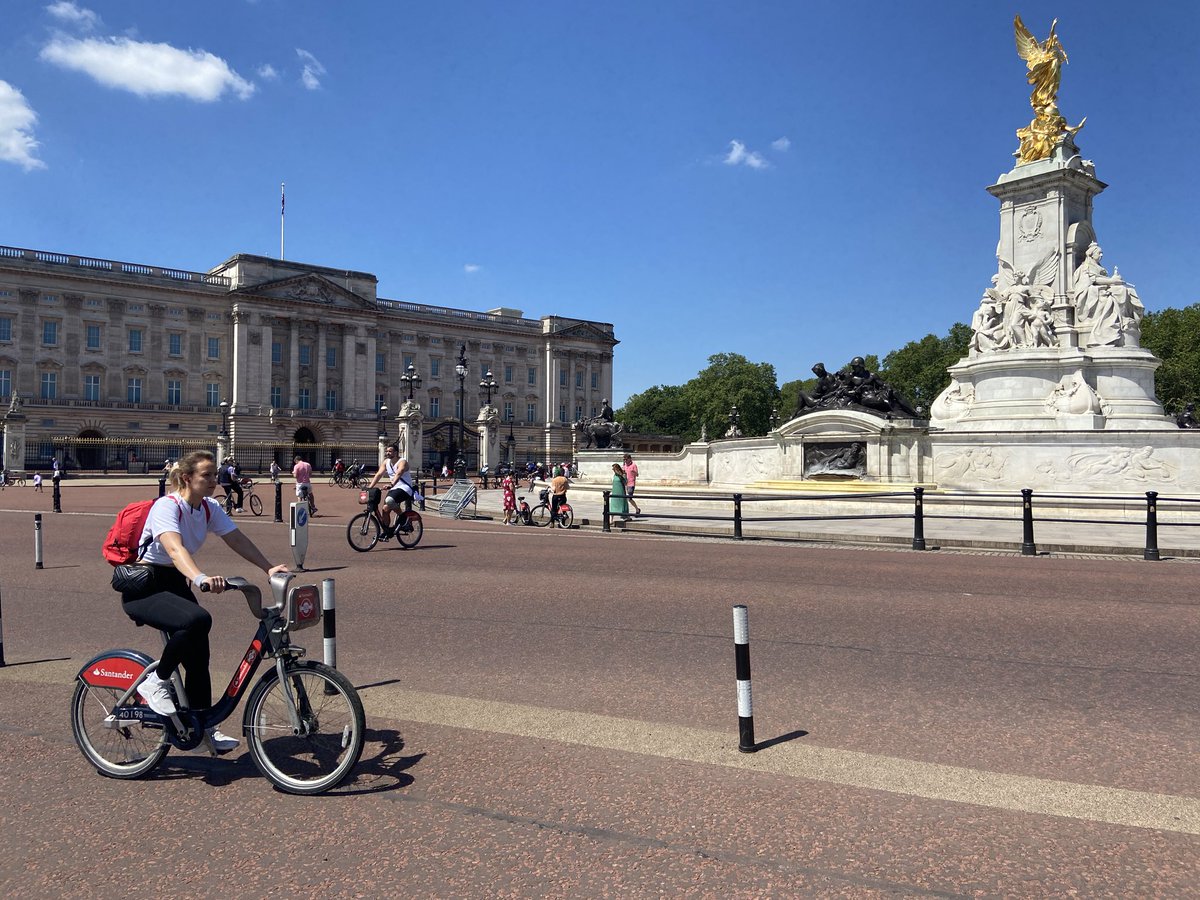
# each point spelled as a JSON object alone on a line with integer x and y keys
{"x": 275, "y": 570}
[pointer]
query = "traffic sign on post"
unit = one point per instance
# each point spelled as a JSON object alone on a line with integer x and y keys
{"x": 299, "y": 513}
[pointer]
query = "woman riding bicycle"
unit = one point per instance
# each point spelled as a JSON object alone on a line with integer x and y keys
{"x": 400, "y": 489}
{"x": 175, "y": 529}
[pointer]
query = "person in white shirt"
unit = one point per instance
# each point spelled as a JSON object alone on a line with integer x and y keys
{"x": 400, "y": 490}
{"x": 175, "y": 530}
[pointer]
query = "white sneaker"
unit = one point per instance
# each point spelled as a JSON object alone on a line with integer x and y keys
{"x": 223, "y": 743}
{"x": 157, "y": 694}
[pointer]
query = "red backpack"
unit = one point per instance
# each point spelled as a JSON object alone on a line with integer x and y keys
{"x": 121, "y": 543}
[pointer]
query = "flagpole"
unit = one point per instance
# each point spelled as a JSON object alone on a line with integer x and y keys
{"x": 282, "y": 209}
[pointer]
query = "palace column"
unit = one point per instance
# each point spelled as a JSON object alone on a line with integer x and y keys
{"x": 293, "y": 384}
{"x": 322, "y": 369}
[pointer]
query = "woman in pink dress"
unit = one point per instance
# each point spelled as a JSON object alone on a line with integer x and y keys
{"x": 510, "y": 500}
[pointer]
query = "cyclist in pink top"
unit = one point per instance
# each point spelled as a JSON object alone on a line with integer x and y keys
{"x": 302, "y": 472}
{"x": 631, "y": 474}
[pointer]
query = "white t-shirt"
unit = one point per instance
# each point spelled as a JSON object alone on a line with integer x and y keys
{"x": 173, "y": 513}
{"x": 405, "y": 483}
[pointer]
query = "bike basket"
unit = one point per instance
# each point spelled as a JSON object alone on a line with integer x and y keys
{"x": 303, "y": 607}
{"x": 363, "y": 497}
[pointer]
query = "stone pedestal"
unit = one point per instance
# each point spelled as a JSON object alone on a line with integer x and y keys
{"x": 14, "y": 442}
{"x": 488, "y": 424}
{"x": 410, "y": 433}
{"x": 1034, "y": 364}
{"x": 223, "y": 447}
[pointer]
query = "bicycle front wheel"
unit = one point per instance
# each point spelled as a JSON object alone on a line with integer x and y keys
{"x": 410, "y": 539}
{"x": 363, "y": 532}
{"x": 129, "y": 751}
{"x": 331, "y": 720}
{"x": 541, "y": 515}
{"x": 566, "y": 517}
{"x": 255, "y": 505}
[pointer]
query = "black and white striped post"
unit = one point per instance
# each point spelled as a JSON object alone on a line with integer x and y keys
{"x": 37, "y": 540}
{"x": 741, "y": 655}
{"x": 329, "y": 627}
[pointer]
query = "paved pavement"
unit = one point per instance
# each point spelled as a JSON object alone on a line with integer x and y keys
{"x": 552, "y": 714}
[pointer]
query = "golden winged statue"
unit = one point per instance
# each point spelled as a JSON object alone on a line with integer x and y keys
{"x": 1044, "y": 60}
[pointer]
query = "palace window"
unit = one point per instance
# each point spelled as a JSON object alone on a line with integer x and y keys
{"x": 50, "y": 333}
{"x": 135, "y": 340}
{"x": 331, "y": 400}
{"x": 530, "y": 413}
{"x": 435, "y": 407}
{"x": 508, "y": 374}
{"x": 5, "y": 328}
{"x": 214, "y": 348}
{"x": 174, "y": 391}
{"x": 305, "y": 402}
{"x": 175, "y": 344}
{"x": 595, "y": 380}
{"x": 508, "y": 411}
{"x": 276, "y": 396}
{"x": 331, "y": 357}
{"x": 5, "y": 382}
{"x": 93, "y": 337}
{"x": 91, "y": 387}
{"x": 212, "y": 393}
{"x": 578, "y": 379}
{"x": 306, "y": 354}
{"x": 49, "y": 386}
{"x": 533, "y": 374}
{"x": 380, "y": 362}
{"x": 435, "y": 368}
{"x": 562, "y": 412}
{"x": 562, "y": 378}
{"x": 133, "y": 390}
{"x": 276, "y": 353}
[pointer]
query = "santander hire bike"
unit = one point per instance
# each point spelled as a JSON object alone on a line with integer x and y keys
{"x": 303, "y": 723}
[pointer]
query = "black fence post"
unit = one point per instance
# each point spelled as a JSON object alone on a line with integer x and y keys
{"x": 1151, "y": 551}
{"x": 1028, "y": 547}
{"x": 278, "y": 502}
{"x": 57, "y": 496}
{"x": 421, "y": 491}
{"x": 918, "y": 519}
{"x": 605, "y": 521}
{"x": 737, "y": 517}
{"x": 162, "y": 486}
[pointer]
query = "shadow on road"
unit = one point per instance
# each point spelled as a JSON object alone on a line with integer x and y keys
{"x": 783, "y": 738}
{"x": 34, "y": 662}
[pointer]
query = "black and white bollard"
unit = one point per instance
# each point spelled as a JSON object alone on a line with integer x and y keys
{"x": 329, "y": 627}
{"x": 37, "y": 540}
{"x": 741, "y": 655}
{"x": 1, "y": 635}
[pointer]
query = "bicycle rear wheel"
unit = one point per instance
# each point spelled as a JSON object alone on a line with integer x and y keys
{"x": 331, "y": 734}
{"x": 566, "y": 517}
{"x": 363, "y": 532}
{"x": 410, "y": 539}
{"x": 129, "y": 751}
{"x": 255, "y": 505}
{"x": 541, "y": 515}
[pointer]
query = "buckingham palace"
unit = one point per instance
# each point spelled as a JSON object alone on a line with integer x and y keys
{"x": 108, "y": 365}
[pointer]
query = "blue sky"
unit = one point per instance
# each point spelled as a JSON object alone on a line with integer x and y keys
{"x": 792, "y": 181}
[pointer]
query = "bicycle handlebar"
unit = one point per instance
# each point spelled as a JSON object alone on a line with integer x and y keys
{"x": 253, "y": 593}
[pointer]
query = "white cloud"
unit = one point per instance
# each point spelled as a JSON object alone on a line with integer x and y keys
{"x": 471, "y": 268}
{"x": 17, "y": 119}
{"x": 148, "y": 70}
{"x": 313, "y": 70}
{"x": 782, "y": 144}
{"x": 739, "y": 156}
{"x": 267, "y": 72}
{"x": 68, "y": 12}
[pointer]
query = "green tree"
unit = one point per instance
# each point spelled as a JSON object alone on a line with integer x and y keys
{"x": 1173, "y": 335}
{"x": 918, "y": 369}
{"x": 658, "y": 410}
{"x": 732, "y": 380}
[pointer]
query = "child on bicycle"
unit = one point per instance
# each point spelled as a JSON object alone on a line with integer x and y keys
{"x": 175, "y": 530}
{"x": 399, "y": 491}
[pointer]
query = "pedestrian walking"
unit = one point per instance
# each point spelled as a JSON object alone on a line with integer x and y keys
{"x": 631, "y": 476}
{"x": 618, "y": 503}
{"x": 274, "y": 472}
{"x": 37, "y": 482}
{"x": 510, "y": 500}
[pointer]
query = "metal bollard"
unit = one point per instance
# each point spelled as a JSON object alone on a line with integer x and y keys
{"x": 435, "y": 484}
{"x": 37, "y": 540}
{"x": 918, "y": 519}
{"x": 605, "y": 516}
{"x": 329, "y": 627}
{"x": 2, "y": 663}
{"x": 737, "y": 517}
{"x": 421, "y": 491}
{"x": 1028, "y": 547}
{"x": 57, "y": 497}
{"x": 162, "y": 486}
{"x": 741, "y": 658}
{"x": 278, "y": 502}
{"x": 1151, "y": 551}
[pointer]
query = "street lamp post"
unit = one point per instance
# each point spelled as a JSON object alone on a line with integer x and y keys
{"x": 382, "y": 415}
{"x": 460, "y": 464}
{"x": 411, "y": 379}
{"x": 512, "y": 447}
{"x": 489, "y": 385}
{"x": 225, "y": 419}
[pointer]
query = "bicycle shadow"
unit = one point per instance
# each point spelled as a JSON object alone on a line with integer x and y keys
{"x": 381, "y": 767}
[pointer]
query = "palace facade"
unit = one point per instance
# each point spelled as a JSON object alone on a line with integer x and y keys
{"x": 119, "y": 365}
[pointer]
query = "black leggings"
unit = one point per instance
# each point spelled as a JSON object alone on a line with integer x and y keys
{"x": 172, "y": 608}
